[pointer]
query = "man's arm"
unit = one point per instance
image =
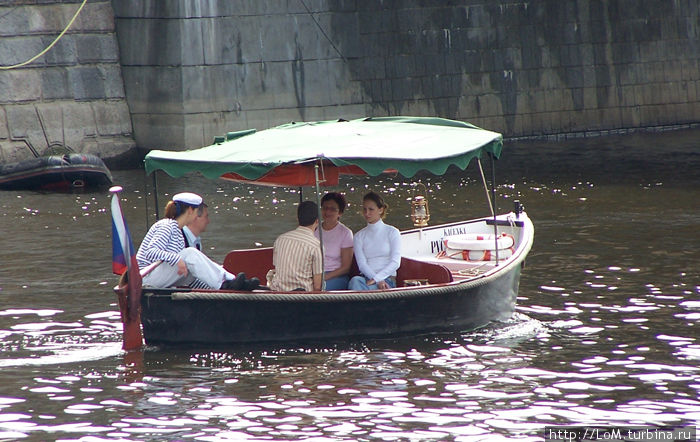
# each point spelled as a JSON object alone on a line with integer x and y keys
{"x": 318, "y": 280}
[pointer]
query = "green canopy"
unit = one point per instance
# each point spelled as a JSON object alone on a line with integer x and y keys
{"x": 369, "y": 145}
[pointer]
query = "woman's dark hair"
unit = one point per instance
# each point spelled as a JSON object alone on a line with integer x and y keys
{"x": 378, "y": 200}
{"x": 338, "y": 198}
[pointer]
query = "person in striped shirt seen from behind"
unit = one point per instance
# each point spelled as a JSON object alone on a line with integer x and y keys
{"x": 183, "y": 266}
{"x": 297, "y": 256}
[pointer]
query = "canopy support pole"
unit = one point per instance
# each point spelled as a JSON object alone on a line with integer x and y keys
{"x": 155, "y": 196}
{"x": 486, "y": 186}
{"x": 320, "y": 229}
{"x": 145, "y": 196}
{"x": 494, "y": 208}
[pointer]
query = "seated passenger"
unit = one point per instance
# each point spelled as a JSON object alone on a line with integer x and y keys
{"x": 337, "y": 242}
{"x": 193, "y": 230}
{"x": 183, "y": 266}
{"x": 377, "y": 248}
{"x": 296, "y": 255}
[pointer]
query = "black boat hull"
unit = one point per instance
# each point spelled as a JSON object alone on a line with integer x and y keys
{"x": 56, "y": 173}
{"x": 181, "y": 317}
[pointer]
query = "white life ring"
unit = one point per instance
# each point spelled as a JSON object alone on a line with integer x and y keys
{"x": 478, "y": 241}
{"x": 478, "y": 255}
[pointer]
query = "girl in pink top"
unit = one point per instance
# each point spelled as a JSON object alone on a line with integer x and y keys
{"x": 337, "y": 242}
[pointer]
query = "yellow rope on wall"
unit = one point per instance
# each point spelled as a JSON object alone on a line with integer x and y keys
{"x": 48, "y": 48}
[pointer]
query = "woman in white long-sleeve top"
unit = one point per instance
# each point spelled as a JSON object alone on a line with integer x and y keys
{"x": 377, "y": 248}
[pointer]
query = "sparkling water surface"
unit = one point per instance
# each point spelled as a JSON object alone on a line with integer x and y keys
{"x": 606, "y": 330}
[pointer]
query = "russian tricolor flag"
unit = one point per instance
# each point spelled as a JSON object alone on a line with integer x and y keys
{"x": 122, "y": 247}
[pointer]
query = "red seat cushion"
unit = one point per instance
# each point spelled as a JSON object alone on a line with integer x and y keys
{"x": 254, "y": 262}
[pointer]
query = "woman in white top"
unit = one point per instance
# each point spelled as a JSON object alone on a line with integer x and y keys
{"x": 337, "y": 242}
{"x": 377, "y": 248}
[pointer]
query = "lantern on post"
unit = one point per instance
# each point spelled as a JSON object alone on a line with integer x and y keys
{"x": 420, "y": 214}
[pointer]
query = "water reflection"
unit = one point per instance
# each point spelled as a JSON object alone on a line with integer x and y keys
{"x": 605, "y": 334}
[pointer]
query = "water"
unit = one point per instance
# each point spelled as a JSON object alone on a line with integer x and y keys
{"x": 606, "y": 331}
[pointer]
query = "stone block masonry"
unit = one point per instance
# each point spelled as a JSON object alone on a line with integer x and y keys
{"x": 525, "y": 68}
{"x": 71, "y": 97}
{"x": 196, "y": 69}
{"x": 183, "y": 71}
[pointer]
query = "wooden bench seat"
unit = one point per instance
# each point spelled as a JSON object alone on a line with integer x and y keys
{"x": 256, "y": 262}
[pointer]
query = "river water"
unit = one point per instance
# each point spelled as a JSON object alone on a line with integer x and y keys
{"x": 606, "y": 331}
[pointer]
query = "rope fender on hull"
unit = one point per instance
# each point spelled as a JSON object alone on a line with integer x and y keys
{"x": 449, "y": 288}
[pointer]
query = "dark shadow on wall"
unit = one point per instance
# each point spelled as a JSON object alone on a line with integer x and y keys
{"x": 455, "y": 55}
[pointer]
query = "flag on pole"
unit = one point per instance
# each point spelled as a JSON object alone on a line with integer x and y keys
{"x": 124, "y": 263}
{"x": 123, "y": 255}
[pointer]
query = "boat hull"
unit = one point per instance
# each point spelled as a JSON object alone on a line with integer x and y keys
{"x": 454, "y": 295}
{"x": 218, "y": 318}
{"x": 56, "y": 173}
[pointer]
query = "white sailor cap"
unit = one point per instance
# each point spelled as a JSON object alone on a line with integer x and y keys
{"x": 188, "y": 198}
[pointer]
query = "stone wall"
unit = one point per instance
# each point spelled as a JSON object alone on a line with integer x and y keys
{"x": 73, "y": 96}
{"x": 195, "y": 69}
{"x": 527, "y": 68}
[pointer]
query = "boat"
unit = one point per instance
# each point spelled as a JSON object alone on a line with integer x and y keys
{"x": 457, "y": 276}
{"x": 70, "y": 171}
